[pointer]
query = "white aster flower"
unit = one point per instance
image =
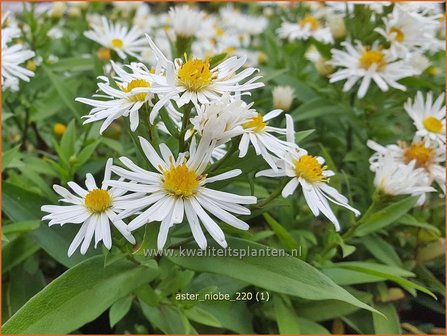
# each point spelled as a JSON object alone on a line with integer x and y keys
{"x": 12, "y": 57}
{"x": 186, "y": 21}
{"x": 304, "y": 29}
{"x": 427, "y": 155}
{"x": 94, "y": 208}
{"x": 428, "y": 117}
{"x": 193, "y": 80}
{"x": 222, "y": 119}
{"x": 309, "y": 172}
{"x": 179, "y": 188}
{"x": 366, "y": 64}
{"x": 258, "y": 133}
{"x": 118, "y": 37}
{"x": 394, "y": 178}
{"x": 407, "y": 32}
{"x": 126, "y": 100}
{"x": 283, "y": 97}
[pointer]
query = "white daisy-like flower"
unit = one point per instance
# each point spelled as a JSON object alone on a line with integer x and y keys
{"x": 93, "y": 209}
{"x": 309, "y": 172}
{"x": 304, "y": 29}
{"x": 393, "y": 178}
{"x": 283, "y": 97}
{"x": 427, "y": 155}
{"x": 193, "y": 80}
{"x": 12, "y": 57}
{"x": 126, "y": 100}
{"x": 366, "y": 64}
{"x": 428, "y": 116}
{"x": 407, "y": 31}
{"x": 222, "y": 119}
{"x": 258, "y": 133}
{"x": 179, "y": 188}
{"x": 118, "y": 37}
{"x": 186, "y": 21}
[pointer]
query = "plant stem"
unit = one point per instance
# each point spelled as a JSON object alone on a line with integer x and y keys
{"x": 25, "y": 131}
{"x": 274, "y": 194}
{"x": 185, "y": 123}
{"x": 233, "y": 147}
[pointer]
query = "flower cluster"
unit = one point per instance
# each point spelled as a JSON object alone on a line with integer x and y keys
{"x": 411, "y": 168}
{"x": 196, "y": 99}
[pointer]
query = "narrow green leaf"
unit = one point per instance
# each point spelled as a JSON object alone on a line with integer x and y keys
{"x": 9, "y": 156}
{"x": 62, "y": 90}
{"x": 281, "y": 232}
{"x": 286, "y": 317}
{"x": 390, "y": 324}
{"x": 386, "y": 216}
{"x": 381, "y": 250}
{"x": 21, "y": 227}
{"x": 202, "y": 316}
{"x": 77, "y": 297}
{"x": 286, "y": 275}
{"x": 119, "y": 309}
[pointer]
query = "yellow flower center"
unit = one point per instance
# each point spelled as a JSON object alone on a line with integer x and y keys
{"x": 432, "y": 124}
{"x": 219, "y": 31}
{"x": 417, "y": 151}
{"x": 59, "y": 129}
{"x": 180, "y": 181}
{"x": 98, "y": 200}
{"x": 117, "y": 43}
{"x": 195, "y": 74}
{"x": 257, "y": 123}
{"x": 400, "y": 36}
{"x": 309, "y": 169}
{"x": 310, "y": 21}
{"x": 136, "y": 83}
{"x": 370, "y": 57}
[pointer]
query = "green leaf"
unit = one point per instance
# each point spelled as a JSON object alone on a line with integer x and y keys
{"x": 285, "y": 275}
{"x": 67, "y": 145}
{"x": 20, "y": 204}
{"x": 21, "y": 227}
{"x": 202, "y": 316}
{"x": 330, "y": 309}
{"x": 285, "y": 317}
{"x": 77, "y": 297}
{"x": 166, "y": 318}
{"x": 344, "y": 277}
{"x": 314, "y": 108}
{"x": 386, "y": 216}
{"x": 309, "y": 327}
{"x": 62, "y": 89}
{"x": 283, "y": 235}
{"x": 85, "y": 154}
{"x": 73, "y": 64}
{"x": 381, "y": 250}
{"x": 391, "y": 273}
{"x": 9, "y": 156}
{"x": 119, "y": 309}
{"x": 389, "y": 325}
{"x": 17, "y": 251}
{"x": 301, "y": 135}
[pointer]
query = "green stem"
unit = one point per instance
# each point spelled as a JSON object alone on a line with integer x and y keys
{"x": 233, "y": 147}
{"x": 185, "y": 123}
{"x": 274, "y": 194}
{"x": 137, "y": 142}
{"x": 352, "y": 230}
{"x": 25, "y": 130}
